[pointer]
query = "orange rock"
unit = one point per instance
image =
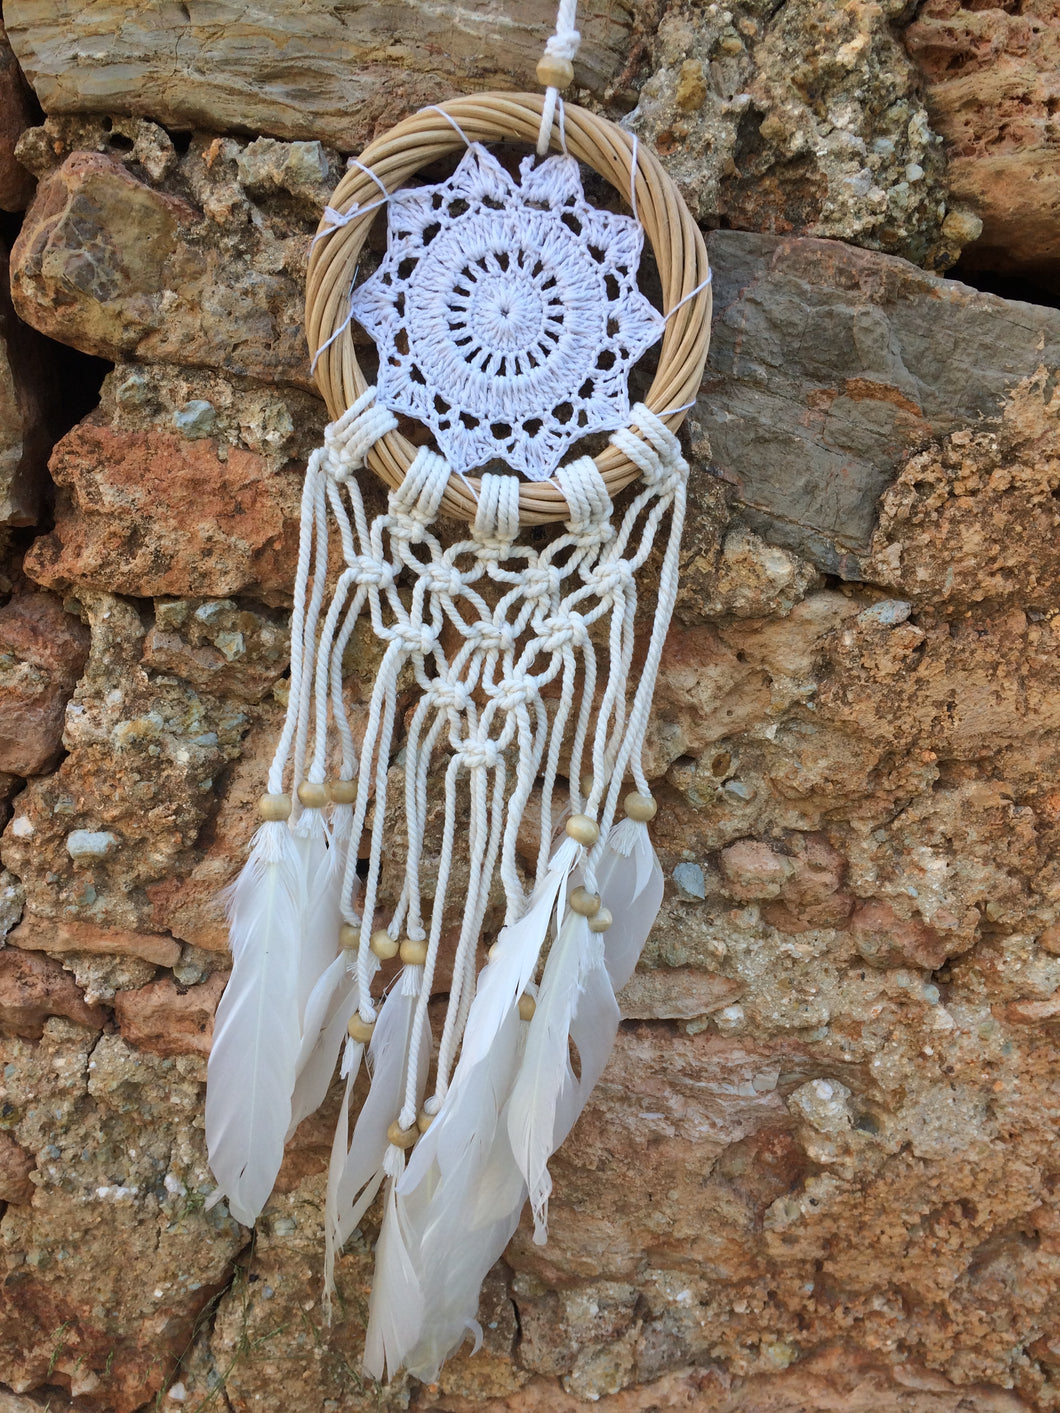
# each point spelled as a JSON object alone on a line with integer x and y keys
{"x": 149, "y": 512}
{"x": 886, "y": 940}
{"x": 33, "y": 988}
{"x": 42, "y": 654}
{"x": 42, "y": 934}
{"x": 991, "y": 92}
{"x": 162, "y": 1018}
{"x": 15, "y": 1167}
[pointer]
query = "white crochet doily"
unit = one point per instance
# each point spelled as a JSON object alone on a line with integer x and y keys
{"x": 506, "y": 314}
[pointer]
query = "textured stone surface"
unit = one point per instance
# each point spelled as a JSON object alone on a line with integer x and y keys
{"x": 26, "y": 408}
{"x": 993, "y": 88}
{"x": 42, "y": 654}
{"x": 291, "y": 70}
{"x": 829, "y": 365}
{"x": 799, "y": 118}
{"x": 32, "y": 988}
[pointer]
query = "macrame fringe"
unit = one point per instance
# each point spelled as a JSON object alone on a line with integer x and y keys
{"x": 456, "y": 1160}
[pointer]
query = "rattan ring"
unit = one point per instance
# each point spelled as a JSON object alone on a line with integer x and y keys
{"x": 676, "y": 242}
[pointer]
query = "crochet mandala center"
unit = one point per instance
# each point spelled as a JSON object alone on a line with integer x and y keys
{"x": 506, "y": 314}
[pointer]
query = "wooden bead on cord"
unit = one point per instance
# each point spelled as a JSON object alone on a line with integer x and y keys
{"x": 527, "y": 1007}
{"x": 313, "y": 795}
{"x": 424, "y": 1120}
{"x": 402, "y": 1137}
{"x": 412, "y": 952}
{"x": 349, "y": 937}
{"x": 360, "y": 1030}
{"x": 584, "y": 903}
{"x": 601, "y": 921}
{"x": 383, "y": 945}
{"x": 273, "y": 807}
{"x": 583, "y": 829}
{"x": 342, "y": 792}
{"x": 554, "y": 72}
{"x": 641, "y": 808}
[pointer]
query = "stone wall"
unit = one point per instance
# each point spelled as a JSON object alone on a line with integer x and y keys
{"x": 820, "y": 1172}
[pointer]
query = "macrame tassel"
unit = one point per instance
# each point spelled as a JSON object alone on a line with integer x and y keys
{"x": 257, "y": 1033}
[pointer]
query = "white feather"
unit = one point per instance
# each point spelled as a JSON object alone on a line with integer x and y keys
{"x": 321, "y": 918}
{"x": 461, "y": 1196}
{"x": 631, "y": 886}
{"x": 395, "y": 1307}
{"x": 251, "y": 1070}
{"x": 332, "y": 1002}
{"x": 545, "y": 1071}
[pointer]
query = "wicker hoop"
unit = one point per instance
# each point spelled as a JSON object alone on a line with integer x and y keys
{"x": 425, "y": 137}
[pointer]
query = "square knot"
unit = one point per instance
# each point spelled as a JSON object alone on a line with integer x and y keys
{"x": 413, "y": 638}
{"x": 610, "y": 579}
{"x": 372, "y": 572}
{"x": 491, "y": 637}
{"x": 559, "y": 631}
{"x": 349, "y": 439}
{"x": 443, "y": 579}
{"x": 407, "y": 527}
{"x": 479, "y": 753}
{"x": 514, "y": 694}
{"x": 540, "y": 581}
{"x": 454, "y": 696}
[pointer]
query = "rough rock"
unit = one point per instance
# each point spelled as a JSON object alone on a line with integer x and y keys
{"x": 829, "y": 366}
{"x": 115, "y": 266}
{"x": 799, "y": 119}
{"x": 42, "y": 654}
{"x": 165, "y": 1020}
{"x": 144, "y": 751}
{"x": 45, "y": 934}
{"x": 18, "y": 110}
{"x": 32, "y": 988}
{"x": 334, "y": 72}
{"x": 992, "y": 92}
{"x": 111, "y": 1329}
{"x": 15, "y": 1167}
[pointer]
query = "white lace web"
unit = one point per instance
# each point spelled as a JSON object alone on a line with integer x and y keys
{"x": 506, "y": 314}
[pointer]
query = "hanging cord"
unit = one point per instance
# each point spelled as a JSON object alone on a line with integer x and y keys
{"x": 555, "y": 71}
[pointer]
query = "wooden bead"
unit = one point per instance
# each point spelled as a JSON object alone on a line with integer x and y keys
{"x": 272, "y": 807}
{"x": 342, "y": 792}
{"x": 584, "y": 903}
{"x": 360, "y": 1030}
{"x": 402, "y": 1137}
{"x": 349, "y": 937}
{"x": 601, "y": 921}
{"x": 583, "y": 829}
{"x": 642, "y": 808}
{"x": 553, "y": 72}
{"x": 587, "y": 783}
{"x": 493, "y": 952}
{"x": 313, "y": 795}
{"x": 424, "y": 1120}
{"x": 383, "y": 945}
{"x": 527, "y": 1007}
{"x": 413, "y": 953}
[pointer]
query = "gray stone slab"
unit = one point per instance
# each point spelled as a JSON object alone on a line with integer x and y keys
{"x": 830, "y": 365}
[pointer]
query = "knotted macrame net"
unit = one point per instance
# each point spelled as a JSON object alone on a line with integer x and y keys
{"x": 507, "y": 317}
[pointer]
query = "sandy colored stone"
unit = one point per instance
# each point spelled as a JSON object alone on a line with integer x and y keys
{"x": 112, "y": 1328}
{"x": 143, "y": 754}
{"x": 42, "y": 934}
{"x": 165, "y": 1020}
{"x": 203, "y": 526}
{"x": 15, "y": 1167}
{"x": 798, "y": 119}
{"x": 42, "y": 654}
{"x": 992, "y": 92}
{"x": 27, "y": 407}
{"x": 239, "y": 71}
{"x": 885, "y": 939}
{"x": 117, "y": 267}
{"x": 32, "y": 988}
{"x": 830, "y": 366}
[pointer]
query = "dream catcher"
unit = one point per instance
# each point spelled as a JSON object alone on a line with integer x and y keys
{"x": 507, "y": 318}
